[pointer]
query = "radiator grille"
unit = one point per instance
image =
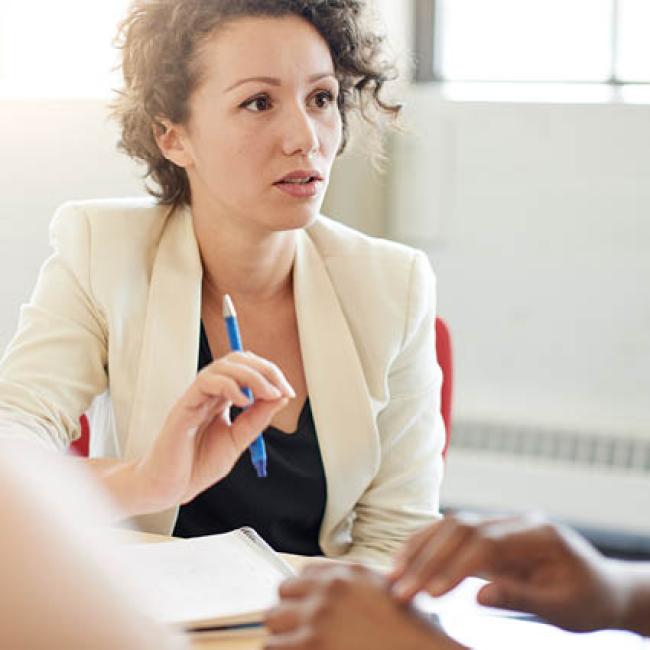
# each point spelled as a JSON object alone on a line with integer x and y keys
{"x": 573, "y": 447}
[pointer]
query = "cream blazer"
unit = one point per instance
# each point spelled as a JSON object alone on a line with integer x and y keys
{"x": 114, "y": 318}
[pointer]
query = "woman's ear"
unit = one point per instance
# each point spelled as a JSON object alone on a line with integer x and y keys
{"x": 172, "y": 142}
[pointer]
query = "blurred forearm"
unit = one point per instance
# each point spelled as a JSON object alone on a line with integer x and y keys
{"x": 119, "y": 480}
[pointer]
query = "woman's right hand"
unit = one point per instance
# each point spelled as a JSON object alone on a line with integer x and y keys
{"x": 198, "y": 444}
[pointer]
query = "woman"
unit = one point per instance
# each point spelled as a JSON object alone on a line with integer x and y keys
{"x": 238, "y": 110}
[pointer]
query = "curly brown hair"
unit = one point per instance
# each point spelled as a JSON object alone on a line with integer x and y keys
{"x": 159, "y": 40}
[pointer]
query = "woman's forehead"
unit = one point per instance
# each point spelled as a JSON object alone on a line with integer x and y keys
{"x": 281, "y": 48}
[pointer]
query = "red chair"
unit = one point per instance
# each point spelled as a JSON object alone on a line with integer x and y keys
{"x": 81, "y": 445}
{"x": 445, "y": 360}
{"x": 443, "y": 352}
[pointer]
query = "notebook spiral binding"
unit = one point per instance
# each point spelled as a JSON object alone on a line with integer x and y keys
{"x": 256, "y": 542}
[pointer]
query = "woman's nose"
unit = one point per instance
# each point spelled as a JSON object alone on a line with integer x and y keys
{"x": 300, "y": 136}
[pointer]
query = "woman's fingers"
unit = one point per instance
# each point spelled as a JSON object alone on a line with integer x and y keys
{"x": 243, "y": 376}
{"x": 223, "y": 383}
{"x": 251, "y": 422}
{"x": 227, "y": 380}
{"x": 208, "y": 387}
{"x": 267, "y": 369}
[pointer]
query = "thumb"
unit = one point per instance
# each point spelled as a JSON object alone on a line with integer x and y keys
{"x": 507, "y": 594}
{"x": 255, "y": 419}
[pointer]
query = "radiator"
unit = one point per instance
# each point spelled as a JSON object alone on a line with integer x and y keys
{"x": 588, "y": 479}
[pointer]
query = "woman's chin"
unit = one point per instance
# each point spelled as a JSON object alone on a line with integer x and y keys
{"x": 293, "y": 218}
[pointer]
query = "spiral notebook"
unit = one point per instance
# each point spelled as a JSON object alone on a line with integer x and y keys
{"x": 214, "y": 582}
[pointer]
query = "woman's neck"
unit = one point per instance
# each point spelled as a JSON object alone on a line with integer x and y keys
{"x": 252, "y": 266}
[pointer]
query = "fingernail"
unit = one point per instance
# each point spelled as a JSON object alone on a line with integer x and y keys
{"x": 437, "y": 587}
{"x": 488, "y": 597}
{"x": 403, "y": 588}
{"x": 489, "y": 600}
{"x": 279, "y": 404}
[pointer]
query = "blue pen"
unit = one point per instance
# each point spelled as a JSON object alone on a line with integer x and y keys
{"x": 257, "y": 448}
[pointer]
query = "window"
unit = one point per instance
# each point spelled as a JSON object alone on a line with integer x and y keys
{"x": 59, "y": 49}
{"x": 633, "y": 56}
{"x": 592, "y": 41}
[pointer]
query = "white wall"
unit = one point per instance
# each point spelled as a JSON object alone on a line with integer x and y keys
{"x": 358, "y": 189}
{"x": 52, "y": 151}
{"x": 536, "y": 218}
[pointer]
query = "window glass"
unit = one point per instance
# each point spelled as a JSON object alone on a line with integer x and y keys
{"x": 524, "y": 40}
{"x": 633, "y": 61}
{"x": 59, "y": 48}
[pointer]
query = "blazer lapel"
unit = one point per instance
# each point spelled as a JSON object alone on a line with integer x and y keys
{"x": 338, "y": 393}
{"x": 169, "y": 355}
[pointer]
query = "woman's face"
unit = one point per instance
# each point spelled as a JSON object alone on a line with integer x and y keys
{"x": 264, "y": 125}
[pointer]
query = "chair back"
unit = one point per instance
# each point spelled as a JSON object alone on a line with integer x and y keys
{"x": 445, "y": 361}
{"x": 81, "y": 446}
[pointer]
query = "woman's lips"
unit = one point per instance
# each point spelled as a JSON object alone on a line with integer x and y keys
{"x": 301, "y": 190}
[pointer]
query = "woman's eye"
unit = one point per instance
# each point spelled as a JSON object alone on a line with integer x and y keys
{"x": 323, "y": 99}
{"x": 258, "y": 104}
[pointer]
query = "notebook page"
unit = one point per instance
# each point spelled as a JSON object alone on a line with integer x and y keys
{"x": 205, "y": 580}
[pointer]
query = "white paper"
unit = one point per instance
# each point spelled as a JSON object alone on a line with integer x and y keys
{"x": 485, "y": 628}
{"x": 186, "y": 582}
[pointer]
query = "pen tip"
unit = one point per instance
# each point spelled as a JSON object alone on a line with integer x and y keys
{"x": 228, "y": 307}
{"x": 260, "y": 468}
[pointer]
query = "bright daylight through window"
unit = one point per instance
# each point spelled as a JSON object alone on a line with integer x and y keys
{"x": 58, "y": 49}
{"x": 591, "y": 41}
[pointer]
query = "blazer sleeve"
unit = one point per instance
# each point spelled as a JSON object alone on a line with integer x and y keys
{"x": 404, "y": 495}
{"x": 56, "y": 363}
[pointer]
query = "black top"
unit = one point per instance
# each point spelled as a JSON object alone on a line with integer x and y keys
{"x": 286, "y": 508}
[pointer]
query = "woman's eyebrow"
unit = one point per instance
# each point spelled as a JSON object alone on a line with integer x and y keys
{"x": 274, "y": 81}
